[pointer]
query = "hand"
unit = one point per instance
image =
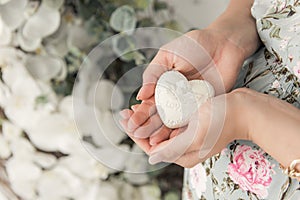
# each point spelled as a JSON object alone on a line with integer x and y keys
{"x": 271, "y": 123}
{"x": 209, "y": 131}
{"x": 200, "y": 54}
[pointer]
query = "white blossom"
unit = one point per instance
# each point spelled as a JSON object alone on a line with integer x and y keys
{"x": 43, "y": 23}
{"x": 59, "y": 131}
{"x": 105, "y": 95}
{"x": 59, "y": 183}
{"x": 5, "y": 33}
{"x": 13, "y": 13}
{"x": 23, "y": 176}
{"x": 45, "y": 68}
{"x": 150, "y": 192}
{"x": 5, "y": 151}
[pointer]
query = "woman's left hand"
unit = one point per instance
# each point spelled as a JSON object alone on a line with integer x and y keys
{"x": 241, "y": 114}
{"x": 211, "y": 128}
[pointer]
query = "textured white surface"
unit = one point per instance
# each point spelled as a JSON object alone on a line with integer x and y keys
{"x": 177, "y": 98}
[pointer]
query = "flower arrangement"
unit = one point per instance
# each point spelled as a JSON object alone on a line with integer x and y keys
{"x": 42, "y": 46}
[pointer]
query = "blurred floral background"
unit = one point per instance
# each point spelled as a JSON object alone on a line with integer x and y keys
{"x": 42, "y": 45}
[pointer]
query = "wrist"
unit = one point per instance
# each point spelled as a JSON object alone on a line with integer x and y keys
{"x": 241, "y": 115}
{"x": 240, "y": 29}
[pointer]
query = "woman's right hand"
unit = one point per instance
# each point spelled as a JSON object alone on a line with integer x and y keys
{"x": 200, "y": 54}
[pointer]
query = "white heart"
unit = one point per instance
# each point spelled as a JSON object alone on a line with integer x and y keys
{"x": 177, "y": 99}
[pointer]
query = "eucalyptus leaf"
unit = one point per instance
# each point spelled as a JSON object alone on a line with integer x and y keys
{"x": 171, "y": 196}
{"x": 159, "y": 5}
{"x": 123, "y": 19}
{"x": 266, "y": 24}
{"x": 123, "y": 44}
{"x": 142, "y": 4}
{"x": 275, "y": 32}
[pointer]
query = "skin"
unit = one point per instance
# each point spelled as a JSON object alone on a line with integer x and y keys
{"x": 257, "y": 117}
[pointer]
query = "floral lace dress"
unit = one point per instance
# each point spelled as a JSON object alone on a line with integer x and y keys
{"x": 243, "y": 170}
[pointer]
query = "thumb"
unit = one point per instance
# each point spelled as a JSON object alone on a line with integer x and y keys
{"x": 160, "y": 64}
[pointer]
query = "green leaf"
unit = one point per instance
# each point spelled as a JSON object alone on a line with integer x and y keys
{"x": 146, "y": 22}
{"x": 122, "y": 44}
{"x": 266, "y": 24}
{"x": 171, "y": 196}
{"x": 173, "y": 25}
{"x": 158, "y": 5}
{"x": 274, "y": 33}
{"x": 123, "y": 19}
{"x": 42, "y": 99}
{"x": 142, "y": 4}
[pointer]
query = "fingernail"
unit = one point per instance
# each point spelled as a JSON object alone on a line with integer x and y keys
{"x": 131, "y": 126}
{"x": 152, "y": 142}
{"x": 139, "y": 94}
{"x": 155, "y": 159}
{"x": 133, "y": 107}
{"x": 123, "y": 114}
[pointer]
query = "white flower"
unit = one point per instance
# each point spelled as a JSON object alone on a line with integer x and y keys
{"x": 4, "y": 148}
{"x": 198, "y": 179}
{"x": 79, "y": 37}
{"x": 10, "y": 131}
{"x": 107, "y": 191}
{"x": 56, "y": 44}
{"x": 105, "y": 95}
{"x": 136, "y": 167}
{"x": 4, "y": 93}
{"x": 5, "y": 33}
{"x": 28, "y": 44}
{"x": 150, "y": 192}
{"x": 59, "y": 183}
{"x": 109, "y": 132}
{"x": 113, "y": 157}
{"x": 86, "y": 166}
{"x": 54, "y": 132}
{"x": 23, "y": 176}
{"x": 46, "y": 68}
{"x": 2, "y": 196}
{"x": 43, "y": 23}
{"x": 13, "y": 13}
{"x": 43, "y": 160}
{"x": 20, "y": 104}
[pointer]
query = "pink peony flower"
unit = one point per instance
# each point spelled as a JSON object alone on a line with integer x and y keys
{"x": 198, "y": 179}
{"x": 251, "y": 170}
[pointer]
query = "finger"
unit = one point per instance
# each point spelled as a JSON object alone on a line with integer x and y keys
{"x": 160, "y": 64}
{"x": 189, "y": 159}
{"x": 141, "y": 115}
{"x": 149, "y": 127}
{"x": 172, "y": 149}
{"x": 126, "y": 113}
{"x": 142, "y": 143}
{"x": 160, "y": 135}
{"x": 135, "y": 107}
{"x": 176, "y": 132}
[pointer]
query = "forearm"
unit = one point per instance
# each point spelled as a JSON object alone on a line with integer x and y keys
{"x": 275, "y": 127}
{"x": 239, "y": 26}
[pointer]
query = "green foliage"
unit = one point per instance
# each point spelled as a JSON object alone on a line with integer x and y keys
{"x": 171, "y": 196}
{"x": 123, "y": 19}
{"x": 105, "y": 18}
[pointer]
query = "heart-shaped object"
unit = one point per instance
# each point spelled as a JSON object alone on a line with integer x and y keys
{"x": 177, "y": 99}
